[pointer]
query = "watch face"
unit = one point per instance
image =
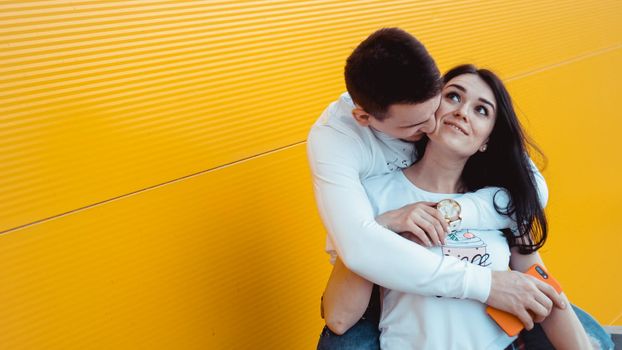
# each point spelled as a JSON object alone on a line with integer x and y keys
{"x": 449, "y": 208}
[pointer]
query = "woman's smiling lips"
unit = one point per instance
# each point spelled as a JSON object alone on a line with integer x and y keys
{"x": 456, "y": 127}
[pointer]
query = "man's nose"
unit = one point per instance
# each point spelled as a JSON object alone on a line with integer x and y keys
{"x": 429, "y": 125}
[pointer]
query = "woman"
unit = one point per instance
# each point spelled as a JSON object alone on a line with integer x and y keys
{"x": 477, "y": 143}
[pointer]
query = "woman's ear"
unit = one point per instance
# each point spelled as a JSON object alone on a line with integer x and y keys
{"x": 361, "y": 117}
{"x": 484, "y": 147}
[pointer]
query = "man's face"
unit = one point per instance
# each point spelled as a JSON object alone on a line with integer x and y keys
{"x": 408, "y": 122}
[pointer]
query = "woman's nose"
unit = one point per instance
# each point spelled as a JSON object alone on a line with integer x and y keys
{"x": 460, "y": 113}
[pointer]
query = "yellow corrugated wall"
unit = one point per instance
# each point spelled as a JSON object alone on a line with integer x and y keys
{"x": 154, "y": 191}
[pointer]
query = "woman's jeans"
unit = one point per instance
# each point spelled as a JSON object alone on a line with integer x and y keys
{"x": 364, "y": 335}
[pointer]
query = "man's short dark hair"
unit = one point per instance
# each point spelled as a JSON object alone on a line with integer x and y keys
{"x": 389, "y": 67}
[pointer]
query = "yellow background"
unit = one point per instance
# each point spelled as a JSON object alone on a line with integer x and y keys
{"x": 153, "y": 179}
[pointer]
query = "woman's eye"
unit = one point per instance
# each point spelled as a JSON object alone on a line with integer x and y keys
{"x": 482, "y": 110}
{"x": 453, "y": 96}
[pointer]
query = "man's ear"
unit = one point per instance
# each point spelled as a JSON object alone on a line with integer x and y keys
{"x": 361, "y": 117}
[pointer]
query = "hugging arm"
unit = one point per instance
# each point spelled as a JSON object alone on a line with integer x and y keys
{"x": 510, "y": 290}
{"x": 365, "y": 247}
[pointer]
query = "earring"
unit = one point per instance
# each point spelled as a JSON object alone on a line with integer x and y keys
{"x": 483, "y": 148}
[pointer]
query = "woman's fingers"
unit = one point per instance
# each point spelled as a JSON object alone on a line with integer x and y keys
{"x": 428, "y": 224}
{"x": 421, "y": 235}
{"x": 421, "y": 219}
{"x": 439, "y": 217}
{"x": 442, "y": 227}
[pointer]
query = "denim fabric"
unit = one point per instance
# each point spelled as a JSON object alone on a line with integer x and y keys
{"x": 594, "y": 330}
{"x": 364, "y": 335}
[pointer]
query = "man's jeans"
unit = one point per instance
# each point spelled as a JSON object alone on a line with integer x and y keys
{"x": 364, "y": 335}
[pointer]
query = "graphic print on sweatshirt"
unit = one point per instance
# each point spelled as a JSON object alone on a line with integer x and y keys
{"x": 396, "y": 164}
{"x": 466, "y": 246}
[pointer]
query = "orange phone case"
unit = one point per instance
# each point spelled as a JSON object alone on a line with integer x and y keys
{"x": 510, "y": 323}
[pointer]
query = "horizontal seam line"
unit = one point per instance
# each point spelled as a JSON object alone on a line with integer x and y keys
{"x": 222, "y": 166}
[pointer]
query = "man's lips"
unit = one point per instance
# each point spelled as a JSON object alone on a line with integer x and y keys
{"x": 456, "y": 126}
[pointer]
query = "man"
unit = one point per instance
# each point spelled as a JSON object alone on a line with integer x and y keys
{"x": 393, "y": 91}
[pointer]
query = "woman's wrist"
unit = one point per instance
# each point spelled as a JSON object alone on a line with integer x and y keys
{"x": 386, "y": 219}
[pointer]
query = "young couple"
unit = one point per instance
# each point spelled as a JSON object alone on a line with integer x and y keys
{"x": 426, "y": 189}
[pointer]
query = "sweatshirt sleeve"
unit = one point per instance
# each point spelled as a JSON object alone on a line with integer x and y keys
{"x": 478, "y": 209}
{"x": 373, "y": 252}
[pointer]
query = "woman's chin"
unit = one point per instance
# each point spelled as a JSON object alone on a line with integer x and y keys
{"x": 452, "y": 146}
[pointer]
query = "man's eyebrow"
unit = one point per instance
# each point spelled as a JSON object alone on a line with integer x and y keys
{"x": 460, "y": 87}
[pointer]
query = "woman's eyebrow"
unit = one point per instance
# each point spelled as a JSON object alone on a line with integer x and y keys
{"x": 460, "y": 87}
{"x": 487, "y": 102}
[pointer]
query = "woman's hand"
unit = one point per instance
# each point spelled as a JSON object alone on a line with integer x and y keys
{"x": 420, "y": 222}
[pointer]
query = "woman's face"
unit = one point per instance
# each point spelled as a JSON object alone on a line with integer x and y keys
{"x": 465, "y": 116}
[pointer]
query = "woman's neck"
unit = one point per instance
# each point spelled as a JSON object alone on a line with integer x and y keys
{"x": 437, "y": 172}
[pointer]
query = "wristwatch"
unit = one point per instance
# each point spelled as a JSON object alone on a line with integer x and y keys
{"x": 450, "y": 209}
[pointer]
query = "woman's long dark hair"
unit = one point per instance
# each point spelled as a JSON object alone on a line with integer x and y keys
{"x": 505, "y": 164}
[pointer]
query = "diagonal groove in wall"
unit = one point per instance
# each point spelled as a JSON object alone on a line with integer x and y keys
{"x": 615, "y": 320}
{"x": 202, "y": 172}
{"x": 565, "y": 62}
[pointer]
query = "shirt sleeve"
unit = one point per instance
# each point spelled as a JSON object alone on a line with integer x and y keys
{"x": 478, "y": 208}
{"x": 365, "y": 247}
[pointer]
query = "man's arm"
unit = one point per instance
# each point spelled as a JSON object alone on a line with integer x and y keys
{"x": 478, "y": 208}
{"x": 369, "y": 249}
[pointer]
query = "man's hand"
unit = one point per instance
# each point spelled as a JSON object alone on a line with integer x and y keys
{"x": 524, "y": 296}
{"x": 422, "y": 220}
